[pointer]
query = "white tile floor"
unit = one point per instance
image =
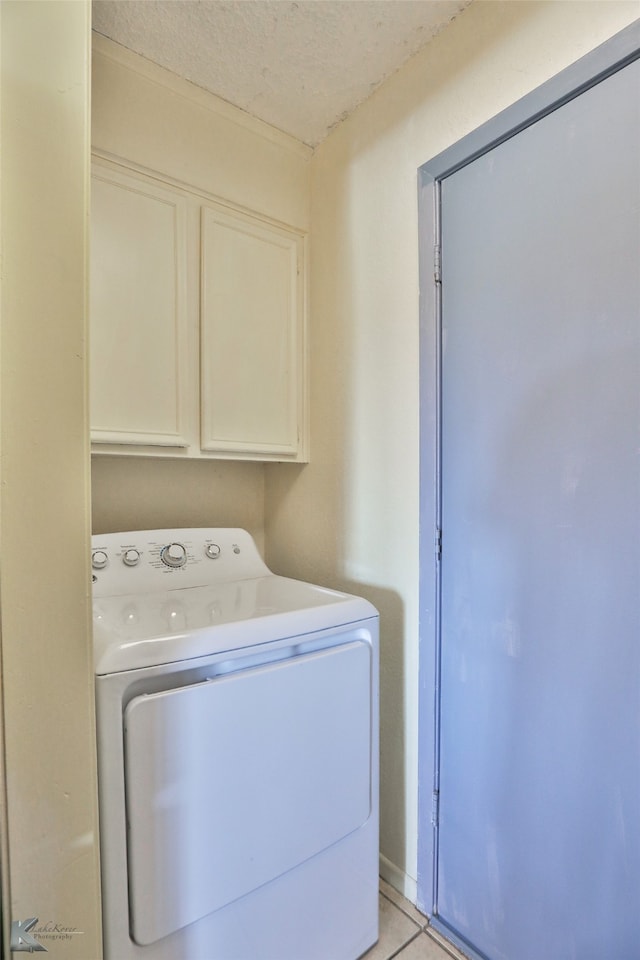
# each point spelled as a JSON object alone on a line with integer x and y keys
{"x": 405, "y": 934}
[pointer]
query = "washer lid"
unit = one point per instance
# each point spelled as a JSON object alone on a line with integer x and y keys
{"x": 131, "y": 632}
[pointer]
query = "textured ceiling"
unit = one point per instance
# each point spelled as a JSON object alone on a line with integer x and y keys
{"x": 301, "y": 66}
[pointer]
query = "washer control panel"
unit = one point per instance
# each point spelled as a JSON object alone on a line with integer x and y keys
{"x": 145, "y": 561}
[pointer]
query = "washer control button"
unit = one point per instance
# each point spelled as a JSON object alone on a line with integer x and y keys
{"x": 212, "y": 550}
{"x": 174, "y": 555}
{"x": 131, "y": 558}
{"x": 99, "y": 559}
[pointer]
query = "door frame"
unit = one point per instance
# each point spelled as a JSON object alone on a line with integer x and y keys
{"x": 605, "y": 60}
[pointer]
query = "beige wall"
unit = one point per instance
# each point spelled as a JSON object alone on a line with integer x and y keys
{"x": 47, "y": 681}
{"x": 138, "y": 494}
{"x": 149, "y": 116}
{"x": 350, "y": 518}
{"x": 145, "y": 115}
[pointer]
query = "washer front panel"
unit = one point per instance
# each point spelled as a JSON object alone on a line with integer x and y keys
{"x": 234, "y": 781}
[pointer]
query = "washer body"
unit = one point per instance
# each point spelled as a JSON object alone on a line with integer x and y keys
{"x": 237, "y": 716}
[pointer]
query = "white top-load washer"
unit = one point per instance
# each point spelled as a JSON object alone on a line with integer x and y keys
{"x": 237, "y": 716}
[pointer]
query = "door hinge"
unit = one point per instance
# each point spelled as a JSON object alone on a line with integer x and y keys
{"x": 435, "y": 808}
{"x": 438, "y": 545}
{"x": 437, "y": 263}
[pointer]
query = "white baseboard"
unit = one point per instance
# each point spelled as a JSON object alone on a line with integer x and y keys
{"x": 398, "y": 879}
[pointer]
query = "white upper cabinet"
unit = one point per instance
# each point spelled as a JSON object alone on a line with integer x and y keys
{"x": 197, "y": 324}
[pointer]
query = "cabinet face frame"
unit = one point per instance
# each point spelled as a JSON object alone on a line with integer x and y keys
{"x": 176, "y": 329}
{"x": 197, "y": 438}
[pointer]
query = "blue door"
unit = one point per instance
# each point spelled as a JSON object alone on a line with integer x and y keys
{"x": 538, "y": 851}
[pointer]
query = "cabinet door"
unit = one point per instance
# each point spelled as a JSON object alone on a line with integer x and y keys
{"x": 252, "y": 336}
{"x": 138, "y": 310}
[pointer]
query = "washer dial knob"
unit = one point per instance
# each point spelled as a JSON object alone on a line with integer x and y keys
{"x": 174, "y": 555}
{"x": 99, "y": 559}
{"x": 131, "y": 558}
{"x": 212, "y": 550}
